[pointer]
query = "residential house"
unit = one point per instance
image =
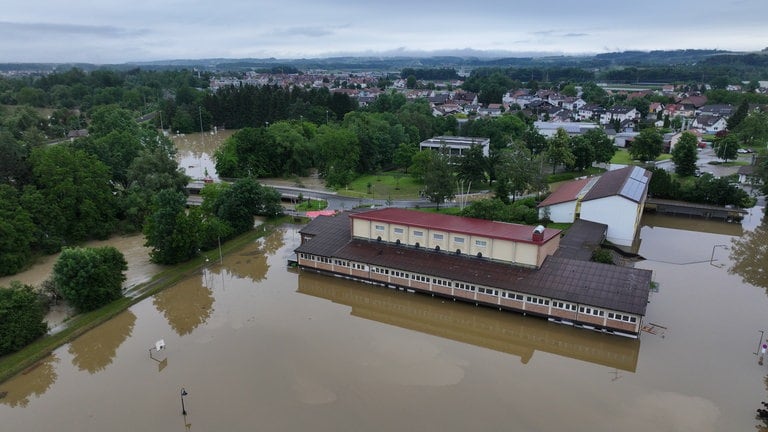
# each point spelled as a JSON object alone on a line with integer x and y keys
{"x": 722, "y": 110}
{"x": 619, "y": 112}
{"x": 710, "y": 123}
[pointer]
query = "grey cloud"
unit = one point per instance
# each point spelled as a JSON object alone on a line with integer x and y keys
{"x": 305, "y": 31}
{"x": 575, "y": 35}
{"x": 64, "y": 29}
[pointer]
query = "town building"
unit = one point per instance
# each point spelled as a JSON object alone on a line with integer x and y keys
{"x": 615, "y": 198}
{"x": 506, "y": 266}
{"x": 456, "y": 146}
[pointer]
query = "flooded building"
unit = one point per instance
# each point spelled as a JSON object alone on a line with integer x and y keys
{"x": 507, "y": 266}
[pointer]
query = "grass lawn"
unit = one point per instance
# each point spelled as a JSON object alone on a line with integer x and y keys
{"x": 311, "y": 204}
{"x": 394, "y": 185}
{"x": 622, "y": 157}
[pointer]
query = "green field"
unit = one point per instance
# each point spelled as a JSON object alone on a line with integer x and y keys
{"x": 622, "y": 157}
{"x": 390, "y": 185}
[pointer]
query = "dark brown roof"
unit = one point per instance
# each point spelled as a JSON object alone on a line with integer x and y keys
{"x": 601, "y": 285}
{"x": 456, "y": 224}
{"x": 630, "y": 182}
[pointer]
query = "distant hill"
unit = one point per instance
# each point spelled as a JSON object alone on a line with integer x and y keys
{"x": 396, "y": 63}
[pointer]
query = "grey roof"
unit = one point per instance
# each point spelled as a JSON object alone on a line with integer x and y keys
{"x": 581, "y": 239}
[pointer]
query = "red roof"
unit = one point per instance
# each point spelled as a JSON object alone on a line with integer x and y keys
{"x": 456, "y": 224}
{"x": 566, "y": 192}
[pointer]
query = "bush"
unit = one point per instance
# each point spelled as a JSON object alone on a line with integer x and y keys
{"x": 602, "y": 256}
{"x": 21, "y": 317}
{"x": 89, "y": 278}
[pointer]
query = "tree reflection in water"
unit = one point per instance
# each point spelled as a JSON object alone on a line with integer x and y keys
{"x": 187, "y": 304}
{"x": 749, "y": 254}
{"x": 33, "y": 382}
{"x": 95, "y": 350}
{"x": 251, "y": 262}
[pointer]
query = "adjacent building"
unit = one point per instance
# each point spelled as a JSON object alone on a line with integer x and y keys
{"x": 615, "y": 198}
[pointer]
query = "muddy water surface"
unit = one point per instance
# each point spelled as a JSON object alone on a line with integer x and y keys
{"x": 259, "y": 347}
{"x": 195, "y": 152}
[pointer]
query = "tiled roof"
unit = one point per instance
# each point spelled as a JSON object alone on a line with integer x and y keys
{"x": 630, "y": 182}
{"x": 456, "y": 224}
{"x": 568, "y": 191}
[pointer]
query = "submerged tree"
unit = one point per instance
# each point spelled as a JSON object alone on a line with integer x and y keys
{"x": 89, "y": 278}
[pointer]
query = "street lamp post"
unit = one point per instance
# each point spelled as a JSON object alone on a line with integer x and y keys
{"x": 183, "y": 409}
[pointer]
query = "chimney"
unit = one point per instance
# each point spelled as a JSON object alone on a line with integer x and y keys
{"x": 538, "y": 234}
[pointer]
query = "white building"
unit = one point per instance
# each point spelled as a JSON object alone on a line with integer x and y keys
{"x": 617, "y": 200}
{"x": 456, "y": 146}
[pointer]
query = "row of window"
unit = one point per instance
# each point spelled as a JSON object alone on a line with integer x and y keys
{"x": 435, "y": 236}
{"x": 537, "y": 300}
{"x": 564, "y": 306}
{"x": 621, "y": 317}
{"x": 591, "y": 311}
{"x": 469, "y": 287}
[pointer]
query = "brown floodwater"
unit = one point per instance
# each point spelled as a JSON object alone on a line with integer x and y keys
{"x": 260, "y": 347}
{"x": 195, "y": 152}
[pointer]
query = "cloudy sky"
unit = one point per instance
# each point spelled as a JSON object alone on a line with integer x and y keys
{"x": 111, "y": 31}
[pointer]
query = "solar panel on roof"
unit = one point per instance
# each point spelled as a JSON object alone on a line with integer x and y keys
{"x": 635, "y": 185}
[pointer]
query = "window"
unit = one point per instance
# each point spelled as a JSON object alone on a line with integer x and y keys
{"x": 398, "y": 230}
{"x": 437, "y": 236}
{"x": 458, "y": 240}
{"x": 481, "y": 243}
{"x": 379, "y": 227}
{"x": 418, "y": 234}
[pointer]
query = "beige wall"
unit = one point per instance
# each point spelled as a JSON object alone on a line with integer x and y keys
{"x": 526, "y": 254}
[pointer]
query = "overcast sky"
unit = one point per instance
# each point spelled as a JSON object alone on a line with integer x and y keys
{"x": 110, "y": 31}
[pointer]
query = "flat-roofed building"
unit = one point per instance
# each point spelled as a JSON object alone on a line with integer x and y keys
{"x": 456, "y": 146}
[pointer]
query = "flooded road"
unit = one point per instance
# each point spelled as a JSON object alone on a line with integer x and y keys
{"x": 261, "y": 347}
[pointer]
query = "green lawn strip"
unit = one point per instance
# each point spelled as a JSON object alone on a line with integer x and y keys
{"x": 311, "y": 204}
{"x": 15, "y": 363}
{"x": 622, "y": 157}
{"x": 383, "y": 186}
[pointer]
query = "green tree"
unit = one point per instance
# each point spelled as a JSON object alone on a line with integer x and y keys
{"x": 472, "y": 166}
{"x": 648, "y": 145}
{"x": 78, "y": 186}
{"x": 739, "y": 115}
{"x": 246, "y": 198}
{"x": 438, "y": 178}
{"x": 516, "y": 171}
{"x": 583, "y": 153}
{"x": 17, "y": 232}
{"x": 169, "y": 232}
{"x": 403, "y": 156}
{"x": 753, "y": 130}
{"x": 726, "y": 148}
{"x": 601, "y": 143}
{"x": 685, "y": 155}
{"x": 21, "y": 317}
{"x": 559, "y": 150}
{"x": 89, "y": 278}
{"x": 338, "y": 153}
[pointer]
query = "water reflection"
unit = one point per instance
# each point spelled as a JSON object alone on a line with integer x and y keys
{"x": 33, "y": 382}
{"x": 195, "y": 152}
{"x": 187, "y": 304}
{"x": 504, "y": 332}
{"x": 712, "y": 226}
{"x": 750, "y": 256}
{"x": 94, "y": 350}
